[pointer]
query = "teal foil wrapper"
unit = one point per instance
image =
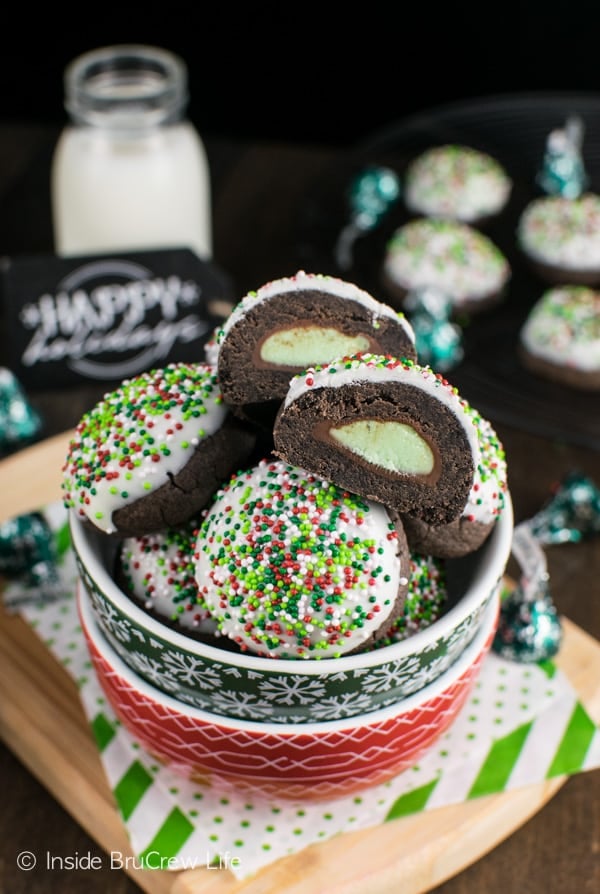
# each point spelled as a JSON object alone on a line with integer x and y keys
{"x": 19, "y": 422}
{"x": 529, "y": 628}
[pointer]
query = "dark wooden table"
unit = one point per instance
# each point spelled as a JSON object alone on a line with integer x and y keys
{"x": 258, "y": 193}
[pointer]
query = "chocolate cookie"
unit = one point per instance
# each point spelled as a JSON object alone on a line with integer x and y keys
{"x": 560, "y": 339}
{"x": 153, "y": 452}
{"x": 560, "y": 238}
{"x": 426, "y": 600}
{"x": 158, "y": 573}
{"x": 447, "y": 255}
{"x": 457, "y": 183}
{"x": 291, "y": 566}
{"x": 387, "y": 429}
{"x": 295, "y": 322}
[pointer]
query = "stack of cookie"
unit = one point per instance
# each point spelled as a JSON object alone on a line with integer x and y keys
{"x": 298, "y": 492}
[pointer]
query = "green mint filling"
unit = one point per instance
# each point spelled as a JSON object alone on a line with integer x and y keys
{"x": 306, "y": 345}
{"x": 392, "y": 445}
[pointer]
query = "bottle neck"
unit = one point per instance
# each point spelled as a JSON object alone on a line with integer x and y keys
{"x": 126, "y": 89}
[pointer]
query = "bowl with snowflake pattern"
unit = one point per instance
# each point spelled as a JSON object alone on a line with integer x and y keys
{"x": 237, "y": 685}
{"x": 311, "y": 761}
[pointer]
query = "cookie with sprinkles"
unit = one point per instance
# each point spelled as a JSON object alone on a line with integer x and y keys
{"x": 456, "y": 182}
{"x": 560, "y": 238}
{"x": 454, "y": 257}
{"x": 560, "y": 339}
{"x": 426, "y": 599}
{"x": 385, "y": 428}
{"x": 292, "y": 566}
{"x": 153, "y": 452}
{"x": 158, "y": 573}
{"x": 295, "y": 322}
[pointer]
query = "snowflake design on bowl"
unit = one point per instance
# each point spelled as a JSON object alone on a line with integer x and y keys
{"x": 153, "y": 671}
{"x": 336, "y": 707}
{"x": 395, "y": 674}
{"x": 429, "y": 673}
{"x": 121, "y": 650}
{"x": 241, "y": 704}
{"x": 191, "y": 670}
{"x": 450, "y": 646}
{"x": 115, "y": 626}
{"x": 292, "y": 689}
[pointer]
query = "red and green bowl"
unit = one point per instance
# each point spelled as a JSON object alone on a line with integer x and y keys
{"x": 234, "y": 684}
{"x": 312, "y": 761}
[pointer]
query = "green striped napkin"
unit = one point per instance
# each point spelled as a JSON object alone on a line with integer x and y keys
{"x": 523, "y": 724}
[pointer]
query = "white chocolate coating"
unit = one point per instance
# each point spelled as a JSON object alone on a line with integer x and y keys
{"x": 453, "y": 257}
{"x": 562, "y": 232}
{"x": 160, "y": 573}
{"x": 457, "y": 183}
{"x": 563, "y": 328}
{"x": 137, "y": 436}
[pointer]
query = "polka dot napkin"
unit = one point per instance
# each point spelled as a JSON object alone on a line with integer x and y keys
{"x": 522, "y": 724}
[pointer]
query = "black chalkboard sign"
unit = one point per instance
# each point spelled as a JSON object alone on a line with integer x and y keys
{"x": 106, "y": 317}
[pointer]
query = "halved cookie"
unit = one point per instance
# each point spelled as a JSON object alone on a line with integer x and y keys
{"x": 296, "y": 322}
{"x": 387, "y": 429}
{"x": 393, "y": 431}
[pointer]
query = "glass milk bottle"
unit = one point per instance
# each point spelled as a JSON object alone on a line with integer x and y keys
{"x": 129, "y": 171}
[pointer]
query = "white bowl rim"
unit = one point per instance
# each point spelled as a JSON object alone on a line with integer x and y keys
{"x": 404, "y": 706}
{"x": 487, "y": 576}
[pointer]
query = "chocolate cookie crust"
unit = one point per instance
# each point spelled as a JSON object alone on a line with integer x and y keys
{"x": 302, "y": 437}
{"x": 458, "y": 538}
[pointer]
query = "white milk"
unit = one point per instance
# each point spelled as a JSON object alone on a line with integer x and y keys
{"x": 129, "y": 172}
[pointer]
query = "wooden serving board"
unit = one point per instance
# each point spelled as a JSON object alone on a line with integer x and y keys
{"x": 42, "y": 721}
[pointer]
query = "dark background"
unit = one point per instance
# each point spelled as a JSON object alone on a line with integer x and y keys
{"x": 332, "y": 75}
